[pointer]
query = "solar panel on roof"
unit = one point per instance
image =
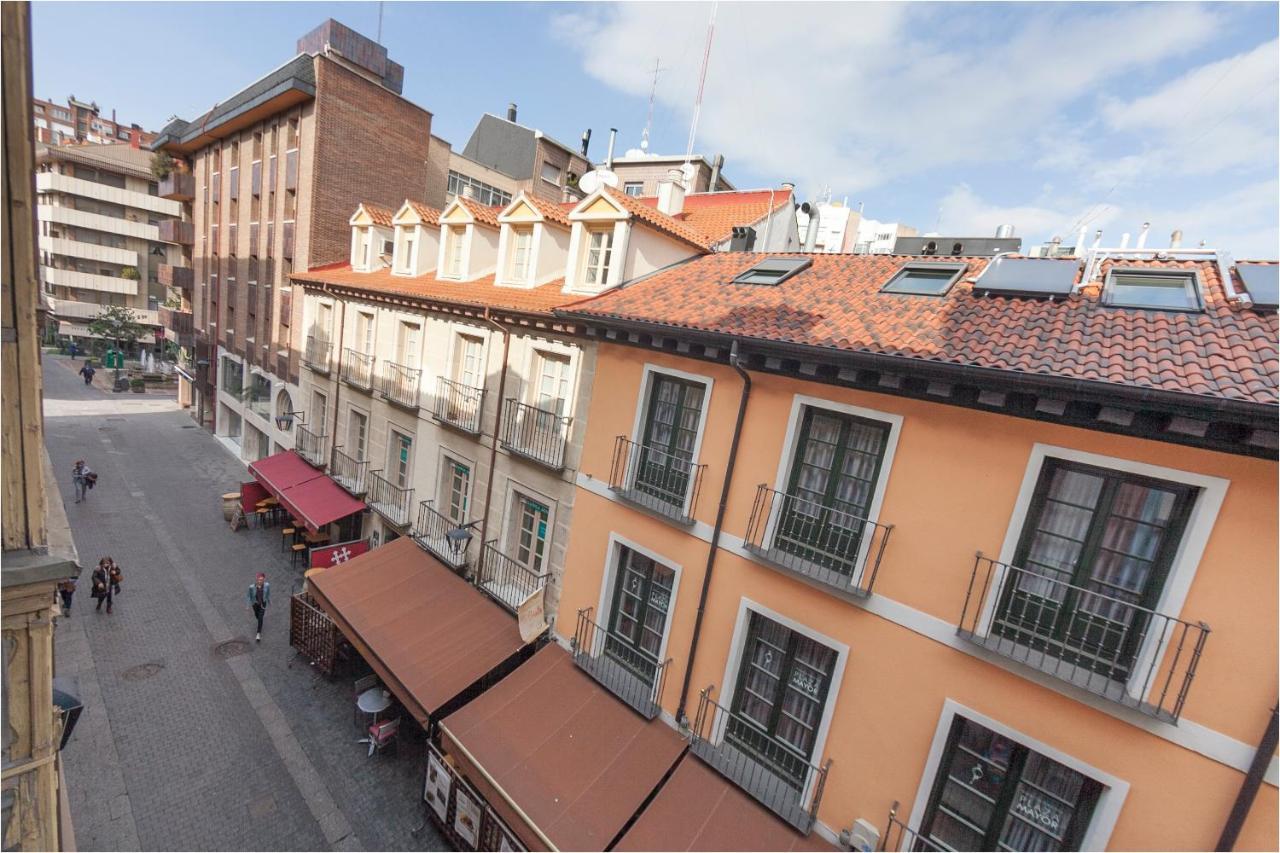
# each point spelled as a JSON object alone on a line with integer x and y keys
{"x": 1043, "y": 277}
{"x": 1263, "y": 283}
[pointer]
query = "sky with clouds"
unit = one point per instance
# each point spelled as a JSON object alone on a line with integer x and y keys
{"x": 953, "y": 116}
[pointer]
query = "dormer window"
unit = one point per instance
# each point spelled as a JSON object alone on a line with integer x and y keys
{"x": 453, "y": 252}
{"x": 405, "y": 261}
{"x": 599, "y": 253}
{"x": 521, "y": 244}
{"x": 924, "y": 279}
{"x": 366, "y": 248}
{"x": 1165, "y": 290}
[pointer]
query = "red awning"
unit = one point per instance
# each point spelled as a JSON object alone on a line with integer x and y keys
{"x": 312, "y": 498}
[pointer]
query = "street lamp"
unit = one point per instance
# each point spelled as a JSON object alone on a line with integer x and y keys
{"x": 459, "y": 538}
{"x": 284, "y": 420}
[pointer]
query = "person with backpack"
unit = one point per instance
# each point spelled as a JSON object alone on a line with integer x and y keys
{"x": 83, "y": 478}
{"x": 114, "y": 574}
{"x": 87, "y": 372}
{"x": 259, "y": 597}
{"x": 102, "y": 585}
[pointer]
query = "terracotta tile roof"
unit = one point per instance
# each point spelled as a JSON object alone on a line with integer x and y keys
{"x": 653, "y": 217}
{"x": 714, "y": 215}
{"x": 379, "y": 214}
{"x": 481, "y": 293}
{"x": 552, "y": 211}
{"x": 1221, "y": 352}
{"x": 483, "y": 214}
{"x": 430, "y": 215}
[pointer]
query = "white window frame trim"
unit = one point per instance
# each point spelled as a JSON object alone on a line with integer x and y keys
{"x": 511, "y": 518}
{"x": 746, "y": 606}
{"x": 444, "y": 453}
{"x": 642, "y": 408}
{"x": 1105, "y": 812}
{"x": 393, "y": 444}
{"x": 612, "y": 567}
{"x": 786, "y": 464}
{"x": 406, "y": 266}
{"x": 1186, "y": 561}
{"x": 368, "y": 431}
{"x": 553, "y": 347}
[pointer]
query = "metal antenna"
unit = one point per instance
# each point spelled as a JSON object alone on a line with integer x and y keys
{"x": 653, "y": 93}
{"x": 702, "y": 80}
{"x": 379, "y": 21}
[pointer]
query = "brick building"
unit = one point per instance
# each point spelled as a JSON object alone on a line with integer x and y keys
{"x": 272, "y": 174}
{"x": 80, "y": 121}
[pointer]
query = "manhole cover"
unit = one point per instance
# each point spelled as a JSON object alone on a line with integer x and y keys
{"x": 231, "y": 648}
{"x": 142, "y": 671}
{"x": 115, "y": 418}
{"x": 189, "y": 426}
{"x": 106, "y": 429}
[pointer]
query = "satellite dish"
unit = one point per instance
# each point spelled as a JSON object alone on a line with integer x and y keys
{"x": 689, "y": 171}
{"x": 596, "y": 178}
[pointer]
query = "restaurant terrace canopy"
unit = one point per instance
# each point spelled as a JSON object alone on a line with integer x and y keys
{"x": 308, "y": 494}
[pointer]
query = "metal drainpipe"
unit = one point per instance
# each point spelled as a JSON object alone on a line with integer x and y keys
{"x": 1249, "y": 788}
{"x": 681, "y": 716}
{"x": 497, "y": 430}
{"x": 337, "y": 374}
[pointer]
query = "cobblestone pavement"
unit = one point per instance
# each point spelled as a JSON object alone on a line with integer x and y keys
{"x": 187, "y": 742}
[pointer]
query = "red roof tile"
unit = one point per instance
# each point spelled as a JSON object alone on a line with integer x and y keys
{"x": 715, "y": 215}
{"x": 430, "y": 215}
{"x": 379, "y": 214}
{"x": 551, "y": 211}
{"x": 483, "y": 214}
{"x": 1222, "y": 352}
{"x": 655, "y": 218}
{"x": 482, "y": 293}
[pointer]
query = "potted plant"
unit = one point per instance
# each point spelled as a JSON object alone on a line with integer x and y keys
{"x": 138, "y": 385}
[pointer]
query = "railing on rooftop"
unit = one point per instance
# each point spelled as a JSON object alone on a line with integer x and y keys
{"x": 632, "y": 675}
{"x": 310, "y": 446}
{"x": 390, "y": 501}
{"x": 835, "y": 548}
{"x": 357, "y": 369}
{"x": 536, "y": 434}
{"x": 655, "y": 479}
{"x": 507, "y": 580}
{"x": 400, "y": 384}
{"x": 458, "y": 405}
{"x": 349, "y": 472}
{"x": 1102, "y": 643}
{"x": 317, "y": 353}
{"x": 779, "y": 778}
{"x": 432, "y": 533}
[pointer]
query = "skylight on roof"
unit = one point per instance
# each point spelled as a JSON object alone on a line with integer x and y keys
{"x": 1161, "y": 290}
{"x": 772, "y": 271}
{"x": 918, "y": 278}
{"x": 1263, "y": 283}
{"x": 1028, "y": 277}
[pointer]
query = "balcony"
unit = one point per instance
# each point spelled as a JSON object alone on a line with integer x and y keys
{"x": 390, "y": 501}
{"x": 317, "y": 353}
{"x": 170, "y": 275}
{"x": 458, "y": 405}
{"x": 431, "y": 533}
{"x": 898, "y": 835}
{"x": 837, "y": 549}
{"x": 662, "y": 482}
{"x": 178, "y": 186}
{"x": 400, "y": 385}
{"x": 508, "y": 581}
{"x": 779, "y": 778}
{"x": 129, "y": 225}
{"x": 349, "y": 473}
{"x": 1104, "y": 644}
{"x": 357, "y": 369}
{"x": 88, "y": 251}
{"x": 177, "y": 231}
{"x": 178, "y": 325}
{"x": 52, "y": 182}
{"x": 536, "y": 434}
{"x": 89, "y": 281}
{"x": 310, "y": 445}
{"x": 628, "y": 673}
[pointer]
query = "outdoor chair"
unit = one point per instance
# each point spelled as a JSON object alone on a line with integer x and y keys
{"x": 360, "y": 686}
{"x": 286, "y": 533}
{"x": 299, "y": 553}
{"x": 383, "y": 735}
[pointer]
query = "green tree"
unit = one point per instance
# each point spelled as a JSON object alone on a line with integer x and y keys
{"x": 117, "y": 323}
{"x": 162, "y": 165}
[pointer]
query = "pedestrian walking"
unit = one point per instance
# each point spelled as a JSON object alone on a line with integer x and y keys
{"x": 83, "y": 478}
{"x": 75, "y": 350}
{"x": 87, "y": 372}
{"x": 259, "y": 597}
{"x": 102, "y": 585}
{"x": 114, "y": 574}
{"x": 66, "y": 590}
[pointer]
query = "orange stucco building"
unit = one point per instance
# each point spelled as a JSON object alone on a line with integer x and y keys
{"x": 995, "y": 563}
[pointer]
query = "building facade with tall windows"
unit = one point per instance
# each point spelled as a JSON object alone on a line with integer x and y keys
{"x": 950, "y": 553}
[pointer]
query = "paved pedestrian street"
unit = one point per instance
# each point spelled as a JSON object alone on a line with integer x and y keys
{"x": 194, "y": 736}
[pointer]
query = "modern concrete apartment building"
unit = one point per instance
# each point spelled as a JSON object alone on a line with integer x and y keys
{"x": 99, "y": 213}
{"x": 275, "y": 171}
{"x": 527, "y": 158}
{"x": 81, "y": 121}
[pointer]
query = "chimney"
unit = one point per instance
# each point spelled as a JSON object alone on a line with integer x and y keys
{"x": 810, "y": 210}
{"x": 586, "y": 141}
{"x": 716, "y": 166}
{"x": 135, "y": 137}
{"x": 511, "y": 113}
{"x": 743, "y": 240}
{"x": 1142, "y": 235}
{"x": 1005, "y": 231}
{"x": 1175, "y": 239}
{"x": 608, "y": 158}
{"x": 671, "y": 193}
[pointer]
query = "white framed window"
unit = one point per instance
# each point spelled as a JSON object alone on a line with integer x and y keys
{"x": 357, "y": 434}
{"x": 552, "y": 381}
{"x": 551, "y": 173}
{"x": 454, "y": 490}
{"x": 598, "y": 255}
{"x": 454, "y": 238}
{"x": 319, "y": 412}
{"x": 365, "y": 325}
{"x": 530, "y": 531}
{"x": 520, "y": 251}
{"x": 468, "y": 362}
{"x": 324, "y": 321}
{"x": 408, "y": 336}
{"x": 366, "y": 248}
{"x": 400, "y": 459}
{"x": 637, "y": 603}
{"x": 405, "y": 260}
{"x": 635, "y": 188}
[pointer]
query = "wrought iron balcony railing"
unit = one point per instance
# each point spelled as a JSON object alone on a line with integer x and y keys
{"x": 349, "y": 472}
{"x": 508, "y": 581}
{"x": 432, "y": 533}
{"x": 657, "y": 480}
{"x": 392, "y": 502}
{"x": 632, "y": 675}
{"x": 781, "y": 779}
{"x": 458, "y": 405}
{"x": 536, "y": 434}
{"x": 317, "y": 353}
{"x": 400, "y": 384}
{"x": 835, "y": 548}
{"x": 357, "y": 369}
{"x": 1101, "y": 642}
{"x": 899, "y": 836}
{"x": 310, "y": 445}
